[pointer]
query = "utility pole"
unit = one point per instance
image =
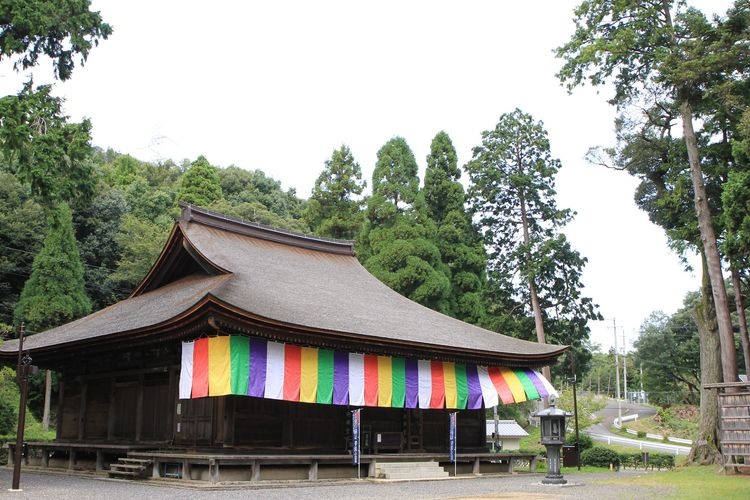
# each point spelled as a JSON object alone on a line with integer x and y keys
{"x": 617, "y": 376}
{"x": 624, "y": 364}
{"x": 22, "y": 372}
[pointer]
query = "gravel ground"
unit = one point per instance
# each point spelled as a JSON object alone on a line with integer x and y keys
{"x": 527, "y": 486}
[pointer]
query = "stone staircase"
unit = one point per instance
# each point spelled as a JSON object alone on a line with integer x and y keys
{"x": 410, "y": 470}
{"x": 130, "y": 468}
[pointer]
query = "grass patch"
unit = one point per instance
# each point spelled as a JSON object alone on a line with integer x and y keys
{"x": 677, "y": 421}
{"x": 694, "y": 482}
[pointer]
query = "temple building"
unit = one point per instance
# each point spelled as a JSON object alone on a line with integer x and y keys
{"x": 251, "y": 341}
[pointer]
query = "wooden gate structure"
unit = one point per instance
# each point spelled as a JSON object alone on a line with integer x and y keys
{"x": 734, "y": 422}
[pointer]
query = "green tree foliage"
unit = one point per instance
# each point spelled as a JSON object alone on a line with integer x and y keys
{"x": 461, "y": 248}
{"x": 395, "y": 175}
{"x": 200, "y": 185}
{"x": 530, "y": 261}
{"x": 97, "y": 227}
{"x": 43, "y": 149}
{"x": 58, "y": 29}
{"x": 141, "y": 242}
{"x": 667, "y": 49}
{"x": 669, "y": 351}
{"x": 255, "y": 188}
{"x": 397, "y": 239}
{"x": 54, "y": 294}
{"x": 735, "y": 199}
{"x": 333, "y": 210}
{"x": 21, "y": 232}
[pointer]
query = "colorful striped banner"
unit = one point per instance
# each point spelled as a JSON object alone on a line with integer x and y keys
{"x": 237, "y": 365}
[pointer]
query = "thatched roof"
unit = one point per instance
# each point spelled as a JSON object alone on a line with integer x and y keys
{"x": 288, "y": 281}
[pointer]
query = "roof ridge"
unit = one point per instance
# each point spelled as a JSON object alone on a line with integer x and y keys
{"x": 192, "y": 213}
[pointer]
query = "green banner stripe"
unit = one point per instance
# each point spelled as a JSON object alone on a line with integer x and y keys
{"x": 399, "y": 382}
{"x": 239, "y": 354}
{"x": 325, "y": 376}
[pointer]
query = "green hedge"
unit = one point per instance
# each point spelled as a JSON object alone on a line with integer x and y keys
{"x": 584, "y": 439}
{"x": 655, "y": 460}
{"x": 600, "y": 457}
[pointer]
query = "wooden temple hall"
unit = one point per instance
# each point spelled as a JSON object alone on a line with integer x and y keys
{"x": 242, "y": 353}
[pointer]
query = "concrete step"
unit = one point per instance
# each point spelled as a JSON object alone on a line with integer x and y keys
{"x": 122, "y": 473}
{"x": 143, "y": 461}
{"x": 410, "y": 470}
{"x": 128, "y": 466}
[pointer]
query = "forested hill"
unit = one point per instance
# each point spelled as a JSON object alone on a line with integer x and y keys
{"x": 120, "y": 232}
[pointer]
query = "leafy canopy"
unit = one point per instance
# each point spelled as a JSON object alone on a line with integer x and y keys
{"x": 58, "y": 29}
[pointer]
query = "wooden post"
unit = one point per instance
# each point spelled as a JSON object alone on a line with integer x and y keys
{"x": 71, "y": 459}
{"x": 45, "y": 458}
{"x": 99, "y": 461}
{"x": 186, "y": 470}
{"x": 255, "y": 475}
{"x": 82, "y": 410}
{"x": 111, "y": 412}
{"x": 213, "y": 470}
{"x": 139, "y": 409}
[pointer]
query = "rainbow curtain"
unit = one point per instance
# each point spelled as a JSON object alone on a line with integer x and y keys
{"x": 219, "y": 366}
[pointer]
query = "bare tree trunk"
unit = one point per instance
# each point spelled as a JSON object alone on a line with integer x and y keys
{"x": 705, "y": 449}
{"x": 710, "y": 250}
{"x": 47, "y": 397}
{"x": 739, "y": 303}
{"x": 535, "y": 306}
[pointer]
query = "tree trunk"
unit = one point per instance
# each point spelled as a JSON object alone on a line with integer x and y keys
{"x": 535, "y": 306}
{"x": 47, "y": 397}
{"x": 705, "y": 449}
{"x": 739, "y": 303}
{"x": 710, "y": 250}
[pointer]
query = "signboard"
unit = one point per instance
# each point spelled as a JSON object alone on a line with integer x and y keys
{"x": 355, "y": 435}
{"x": 452, "y": 437}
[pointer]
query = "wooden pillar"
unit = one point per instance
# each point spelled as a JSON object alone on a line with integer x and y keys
{"x": 172, "y": 403}
{"x": 229, "y": 412}
{"x": 139, "y": 409}
{"x": 82, "y": 410}
{"x": 60, "y": 405}
{"x": 99, "y": 461}
{"x": 112, "y": 411}
{"x": 312, "y": 472}
{"x": 45, "y": 458}
{"x": 71, "y": 459}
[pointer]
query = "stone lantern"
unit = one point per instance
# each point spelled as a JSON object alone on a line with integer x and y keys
{"x": 552, "y": 424}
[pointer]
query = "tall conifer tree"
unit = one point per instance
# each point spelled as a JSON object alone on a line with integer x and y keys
{"x": 460, "y": 246}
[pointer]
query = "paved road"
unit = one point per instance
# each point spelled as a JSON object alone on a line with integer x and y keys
{"x": 39, "y": 486}
{"x": 600, "y": 432}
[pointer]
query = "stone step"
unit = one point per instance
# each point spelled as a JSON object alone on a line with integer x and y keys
{"x": 122, "y": 473}
{"x": 415, "y": 474}
{"x": 410, "y": 470}
{"x": 143, "y": 461}
{"x": 140, "y": 467}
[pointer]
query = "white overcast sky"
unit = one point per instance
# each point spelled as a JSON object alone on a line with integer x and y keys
{"x": 278, "y": 85}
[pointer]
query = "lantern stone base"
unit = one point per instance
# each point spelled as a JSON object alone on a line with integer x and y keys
{"x": 554, "y": 480}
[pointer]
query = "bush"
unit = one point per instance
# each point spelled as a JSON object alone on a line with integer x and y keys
{"x": 600, "y": 457}
{"x": 584, "y": 439}
{"x": 641, "y": 434}
{"x": 7, "y": 417}
{"x": 661, "y": 460}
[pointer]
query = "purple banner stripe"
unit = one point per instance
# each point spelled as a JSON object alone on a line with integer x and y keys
{"x": 543, "y": 392}
{"x": 257, "y": 385}
{"x": 340, "y": 378}
{"x": 475, "y": 389}
{"x": 412, "y": 384}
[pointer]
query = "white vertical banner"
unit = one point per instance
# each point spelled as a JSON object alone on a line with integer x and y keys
{"x": 489, "y": 392}
{"x": 356, "y": 379}
{"x": 424, "y": 374}
{"x": 186, "y": 370}
{"x": 274, "y": 371}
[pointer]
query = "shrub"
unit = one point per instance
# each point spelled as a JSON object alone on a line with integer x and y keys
{"x": 641, "y": 434}
{"x": 584, "y": 439}
{"x": 660, "y": 460}
{"x": 7, "y": 417}
{"x": 600, "y": 457}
